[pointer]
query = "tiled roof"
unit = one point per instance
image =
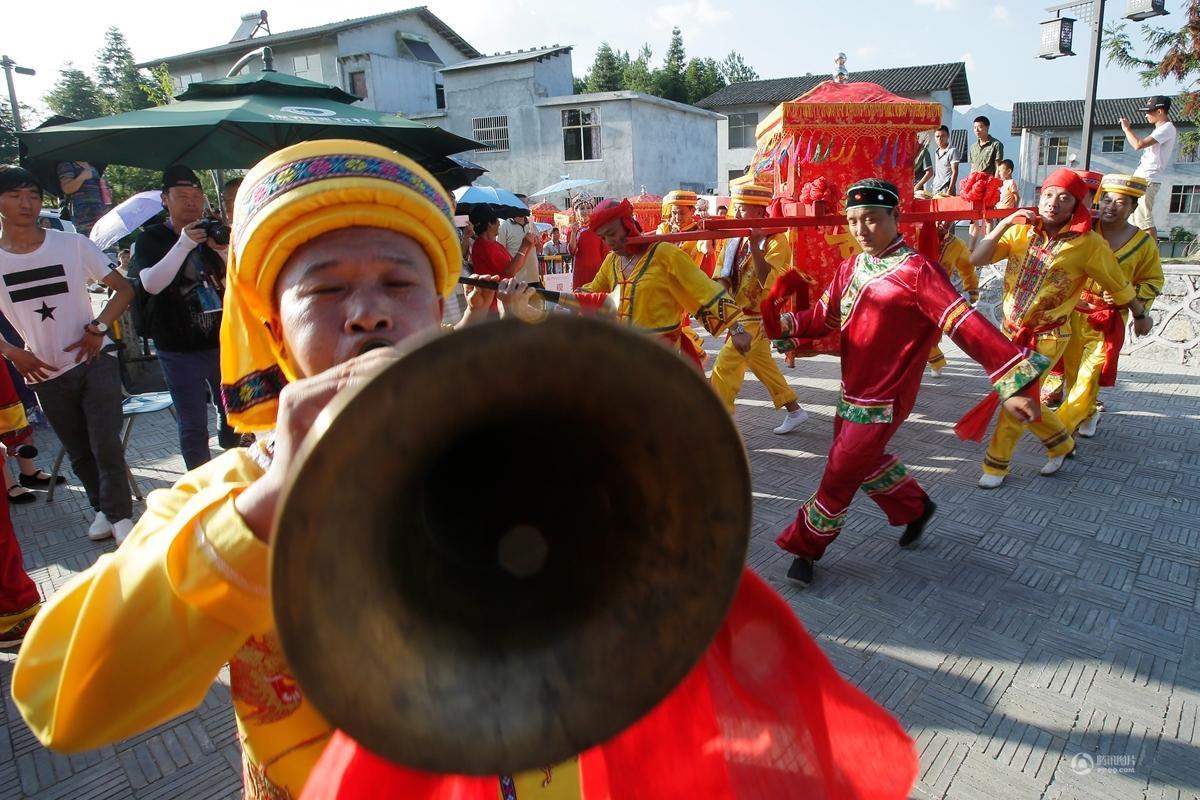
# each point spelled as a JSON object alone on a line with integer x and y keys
{"x": 245, "y": 45}
{"x": 1069, "y": 113}
{"x": 517, "y": 56}
{"x": 899, "y": 80}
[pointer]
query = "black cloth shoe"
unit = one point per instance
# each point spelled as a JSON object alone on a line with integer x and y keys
{"x": 801, "y": 571}
{"x": 21, "y": 497}
{"x": 914, "y": 529}
{"x": 40, "y": 480}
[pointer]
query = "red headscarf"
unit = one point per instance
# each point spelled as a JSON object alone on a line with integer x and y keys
{"x": 1081, "y": 220}
{"x": 610, "y": 209}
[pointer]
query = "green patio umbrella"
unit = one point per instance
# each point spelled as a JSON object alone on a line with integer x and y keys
{"x": 233, "y": 123}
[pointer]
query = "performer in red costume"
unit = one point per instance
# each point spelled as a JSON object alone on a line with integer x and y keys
{"x": 891, "y": 305}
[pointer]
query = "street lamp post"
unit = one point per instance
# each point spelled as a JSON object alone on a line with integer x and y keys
{"x": 9, "y": 66}
{"x": 1091, "y": 11}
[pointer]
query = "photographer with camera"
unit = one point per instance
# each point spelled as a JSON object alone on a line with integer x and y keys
{"x": 178, "y": 270}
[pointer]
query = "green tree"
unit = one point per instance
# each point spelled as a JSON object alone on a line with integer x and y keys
{"x": 669, "y": 80}
{"x": 75, "y": 94}
{"x": 702, "y": 78}
{"x": 735, "y": 69}
{"x": 1167, "y": 54}
{"x": 124, "y": 86}
{"x": 160, "y": 88}
{"x": 8, "y": 136}
{"x": 606, "y": 72}
{"x": 637, "y": 76}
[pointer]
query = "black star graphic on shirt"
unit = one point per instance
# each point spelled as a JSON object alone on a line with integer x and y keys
{"x": 46, "y": 311}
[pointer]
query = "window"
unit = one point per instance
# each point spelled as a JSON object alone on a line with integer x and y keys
{"x": 734, "y": 174}
{"x": 1112, "y": 144}
{"x": 308, "y": 67}
{"x": 182, "y": 82}
{"x": 1053, "y": 151}
{"x": 492, "y": 131}
{"x": 741, "y": 130}
{"x": 439, "y": 92}
{"x": 358, "y": 84}
{"x": 1185, "y": 199}
{"x": 416, "y": 46}
{"x": 581, "y": 134}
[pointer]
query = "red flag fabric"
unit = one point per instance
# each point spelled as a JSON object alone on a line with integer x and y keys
{"x": 974, "y": 424}
{"x": 791, "y": 285}
{"x": 764, "y": 715}
{"x": 1109, "y": 322}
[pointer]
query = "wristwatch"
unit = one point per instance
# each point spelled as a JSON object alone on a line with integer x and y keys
{"x": 96, "y": 327}
{"x": 736, "y": 329}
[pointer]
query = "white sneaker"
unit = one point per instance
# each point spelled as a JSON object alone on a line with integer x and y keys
{"x": 100, "y": 528}
{"x": 121, "y": 529}
{"x": 1087, "y": 428}
{"x": 937, "y": 373}
{"x": 791, "y": 421}
{"x": 1053, "y": 465}
{"x": 988, "y": 481}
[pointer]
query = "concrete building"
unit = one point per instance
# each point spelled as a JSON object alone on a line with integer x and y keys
{"x": 744, "y": 105}
{"x": 521, "y": 104}
{"x": 389, "y": 60}
{"x": 1052, "y": 134}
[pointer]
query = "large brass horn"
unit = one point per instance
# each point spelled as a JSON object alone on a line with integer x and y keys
{"x": 510, "y": 545}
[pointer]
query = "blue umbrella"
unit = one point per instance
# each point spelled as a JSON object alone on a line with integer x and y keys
{"x": 502, "y": 201}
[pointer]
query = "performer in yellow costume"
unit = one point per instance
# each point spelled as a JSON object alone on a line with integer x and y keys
{"x": 340, "y": 249}
{"x": 658, "y": 284}
{"x": 679, "y": 216}
{"x": 1050, "y": 257}
{"x": 1098, "y": 326}
{"x": 748, "y": 267}
{"x": 954, "y": 256}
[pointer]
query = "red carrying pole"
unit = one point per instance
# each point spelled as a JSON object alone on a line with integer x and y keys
{"x": 730, "y": 228}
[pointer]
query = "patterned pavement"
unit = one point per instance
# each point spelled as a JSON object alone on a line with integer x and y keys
{"x": 1042, "y": 642}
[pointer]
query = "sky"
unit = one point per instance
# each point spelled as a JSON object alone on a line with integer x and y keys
{"x": 780, "y": 38}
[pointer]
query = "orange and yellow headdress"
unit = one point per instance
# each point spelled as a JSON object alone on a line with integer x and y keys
{"x": 678, "y": 197}
{"x": 750, "y": 194}
{"x": 289, "y": 198}
{"x": 1130, "y": 185}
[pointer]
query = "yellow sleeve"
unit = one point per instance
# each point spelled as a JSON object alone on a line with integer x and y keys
{"x": 606, "y": 276}
{"x": 1101, "y": 265}
{"x": 139, "y": 637}
{"x": 1147, "y": 277}
{"x": 697, "y": 293}
{"x": 1015, "y": 236}
{"x": 779, "y": 255}
{"x": 962, "y": 264}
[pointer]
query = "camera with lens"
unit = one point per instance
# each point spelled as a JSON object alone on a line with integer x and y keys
{"x": 214, "y": 229}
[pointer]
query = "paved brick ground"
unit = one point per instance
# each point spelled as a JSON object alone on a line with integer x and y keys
{"x": 1040, "y": 643}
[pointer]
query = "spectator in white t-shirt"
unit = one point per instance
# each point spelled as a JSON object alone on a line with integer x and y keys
{"x": 512, "y": 234}
{"x": 1157, "y": 151}
{"x": 43, "y": 293}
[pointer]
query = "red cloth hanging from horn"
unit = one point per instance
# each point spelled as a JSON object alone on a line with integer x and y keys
{"x": 763, "y": 716}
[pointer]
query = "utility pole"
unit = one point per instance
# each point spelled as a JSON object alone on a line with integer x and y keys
{"x": 1089, "y": 101}
{"x": 10, "y": 65}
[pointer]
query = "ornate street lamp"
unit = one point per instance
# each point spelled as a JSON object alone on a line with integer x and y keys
{"x": 1057, "y": 35}
{"x": 1138, "y": 10}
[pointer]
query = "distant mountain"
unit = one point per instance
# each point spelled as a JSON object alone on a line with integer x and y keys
{"x": 1001, "y": 127}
